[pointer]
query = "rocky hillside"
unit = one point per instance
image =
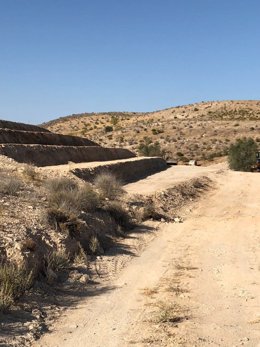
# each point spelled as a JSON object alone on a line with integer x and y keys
{"x": 202, "y": 130}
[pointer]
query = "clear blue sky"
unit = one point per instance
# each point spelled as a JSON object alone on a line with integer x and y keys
{"x": 59, "y": 57}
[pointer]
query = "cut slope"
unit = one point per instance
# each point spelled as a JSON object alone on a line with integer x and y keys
{"x": 4, "y": 124}
{"x": 44, "y": 155}
{"x": 42, "y": 138}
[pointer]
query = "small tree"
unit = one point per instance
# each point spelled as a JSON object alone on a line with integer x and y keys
{"x": 242, "y": 154}
{"x": 114, "y": 120}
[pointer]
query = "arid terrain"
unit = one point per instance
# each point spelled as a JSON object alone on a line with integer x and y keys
{"x": 102, "y": 246}
{"x": 195, "y": 283}
{"x": 199, "y": 131}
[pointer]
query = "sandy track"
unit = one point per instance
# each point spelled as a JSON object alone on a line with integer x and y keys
{"x": 168, "y": 178}
{"x": 221, "y": 240}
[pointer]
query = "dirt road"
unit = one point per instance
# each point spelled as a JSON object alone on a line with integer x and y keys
{"x": 219, "y": 243}
{"x": 170, "y": 177}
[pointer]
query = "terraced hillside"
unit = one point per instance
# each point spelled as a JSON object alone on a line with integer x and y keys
{"x": 37, "y": 146}
{"x": 40, "y": 147}
{"x": 202, "y": 130}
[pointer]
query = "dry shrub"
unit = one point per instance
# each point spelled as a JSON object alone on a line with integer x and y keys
{"x": 109, "y": 186}
{"x": 61, "y": 184}
{"x": 66, "y": 196}
{"x": 94, "y": 244}
{"x": 81, "y": 257}
{"x": 169, "y": 313}
{"x": 29, "y": 245}
{"x": 30, "y": 173}
{"x": 57, "y": 261}
{"x": 64, "y": 201}
{"x": 120, "y": 215}
{"x": 14, "y": 281}
{"x": 88, "y": 199}
{"x": 55, "y": 217}
{"x": 149, "y": 211}
{"x": 9, "y": 185}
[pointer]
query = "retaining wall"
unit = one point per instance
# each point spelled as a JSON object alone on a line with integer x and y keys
{"x": 43, "y": 138}
{"x": 127, "y": 171}
{"x": 42, "y": 155}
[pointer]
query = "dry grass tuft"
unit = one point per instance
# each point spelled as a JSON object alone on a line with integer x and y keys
{"x": 169, "y": 313}
{"x": 66, "y": 196}
{"x": 61, "y": 184}
{"x": 30, "y": 173}
{"x": 109, "y": 186}
{"x": 57, "y": 261}
{"x": 9, "y": 185}
{"x": 14, "y": 281}
{"x": 120, "y": 215}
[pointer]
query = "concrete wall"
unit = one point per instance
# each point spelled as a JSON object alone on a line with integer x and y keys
{"x": 127, "y": 171}
{"x": 43, "y": 138}
{"x": 20, "y": 126}
{"x": 41, "y": 155}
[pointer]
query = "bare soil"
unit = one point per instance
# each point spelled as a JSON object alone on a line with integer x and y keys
{"x": 195, "y": 284}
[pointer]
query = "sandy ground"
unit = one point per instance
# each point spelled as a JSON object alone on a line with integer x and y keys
{"x": 220, "y": 241}
{"x": 168, "y": 178}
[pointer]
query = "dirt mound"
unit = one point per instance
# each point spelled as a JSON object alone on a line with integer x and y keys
{"x": 166, "y": 204}
{"x": 4, "y": 124}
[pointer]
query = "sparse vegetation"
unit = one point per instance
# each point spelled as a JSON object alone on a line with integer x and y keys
{"x": 57, "y": 261}
{"x": 30, "y": 173}
{"x": 109, "y": 186}
{"x": 14, "y": 281}
{"x": 183, "y": 125}
{"x": 61, "y": 184}
{"x": 169, "y": 313}
{"x": 119, "y": 213}
{"x": 66, "y": 196}
{"x": 9, "y": 185}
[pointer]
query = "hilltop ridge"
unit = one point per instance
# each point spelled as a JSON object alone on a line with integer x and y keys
{"x": 201, "y": 130}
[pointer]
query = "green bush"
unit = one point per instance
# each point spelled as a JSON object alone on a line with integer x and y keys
{"x": 242, "y": 154}
{"x": 150, "y": 149}
{"x": 114, "y": 120}
{"x": 108, "y": 128}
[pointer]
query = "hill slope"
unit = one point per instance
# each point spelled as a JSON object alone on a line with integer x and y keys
{"x": 202, "y": 130}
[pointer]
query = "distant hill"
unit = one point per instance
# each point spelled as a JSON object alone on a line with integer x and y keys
{"x": 202, "y": 130}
